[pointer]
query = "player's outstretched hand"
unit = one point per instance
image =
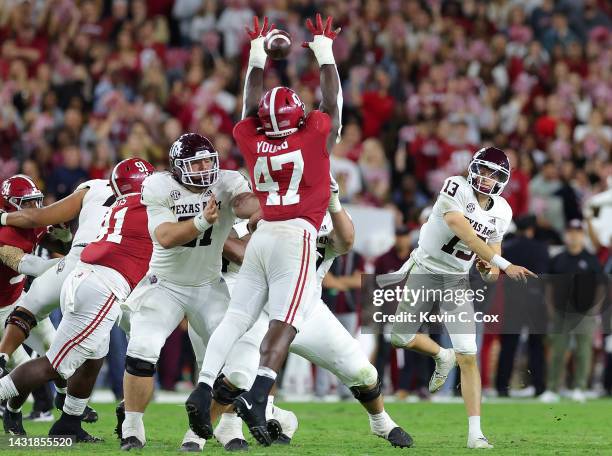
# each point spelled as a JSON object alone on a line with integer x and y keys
{"x": 259, "y": 32}
{"x": 211, "y": 213}
{"x": 482, "y": 266}
{"x": 519, "y": 273}
{"x": 320, "y": 29}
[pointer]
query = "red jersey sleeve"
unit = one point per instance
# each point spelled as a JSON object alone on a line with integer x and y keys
{"x": 246, "y": 128}
{"x": 16, "y": 238}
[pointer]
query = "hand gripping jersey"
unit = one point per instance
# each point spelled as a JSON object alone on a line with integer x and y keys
{"x": 199, "y": 261}
{"x": 123, "y": 241}
{"x": 96, "y": 203}
{"x": 439, "y": 250}
{"x": 289, "y": 175}
{"x": 11, "y": 282}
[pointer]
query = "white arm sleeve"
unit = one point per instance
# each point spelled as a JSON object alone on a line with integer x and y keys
{"x": 34, "y": 266}
{"x": 159, "y": 208}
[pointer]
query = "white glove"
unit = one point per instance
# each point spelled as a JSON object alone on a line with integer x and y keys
{"x": 334, "y": 205}
{"x": 322, "y": 48}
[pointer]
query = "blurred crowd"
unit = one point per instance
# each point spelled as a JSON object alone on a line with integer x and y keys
{"x": 86, "y": 83}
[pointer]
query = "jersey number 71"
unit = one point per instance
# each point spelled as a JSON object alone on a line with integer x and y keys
{"x": 268, "y": 184}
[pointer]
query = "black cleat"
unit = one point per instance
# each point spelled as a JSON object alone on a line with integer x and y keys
{"x": 198, "y": 410}
{"x": 283, "y": 439}
{"x": 39, "y": 416}
{"x": 12, "y": 422}
{"x": 236, "y": 445}
{"x": 131, "y": 443}
{"x": 69, "y": 425}
{"x": 120, "y": 414}
{"x": 88, "y": 416}
{"x": 275, "y": 430}
{"x": 399, "y": 438}
{"x": 254, "y": 415}
{"x": 191, "y": 447}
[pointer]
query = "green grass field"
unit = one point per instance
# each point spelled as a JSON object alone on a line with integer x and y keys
{"x": 342, "y": 429}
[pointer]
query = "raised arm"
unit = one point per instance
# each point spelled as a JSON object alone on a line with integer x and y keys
{"x": 253, "y": 81}
{"x": 61, "y": 211}
{"x": 342, "y": 236}
{"x": 331, "y": 89}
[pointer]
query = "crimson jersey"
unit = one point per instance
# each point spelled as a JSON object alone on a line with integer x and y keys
{"x": 289, "y": 175}
{"x": 11, "y": 282}
{"x": 123, "y": 243}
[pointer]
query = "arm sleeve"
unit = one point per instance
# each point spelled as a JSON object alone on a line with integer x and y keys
{"x": 158, "y": 208}
{"x": 34, "y": 266}
{"x": 452, "y": 196}
{"x": 240, "y": 185}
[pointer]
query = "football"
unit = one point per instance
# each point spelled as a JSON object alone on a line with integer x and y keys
{"x": 277, "y": 44}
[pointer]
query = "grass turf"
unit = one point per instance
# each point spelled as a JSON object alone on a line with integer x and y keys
{"x": 525, "y": 428}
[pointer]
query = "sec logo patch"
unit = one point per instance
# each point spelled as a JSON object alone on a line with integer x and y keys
{"x": 471, "y": 207}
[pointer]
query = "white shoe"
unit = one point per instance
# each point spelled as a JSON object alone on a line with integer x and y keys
{"x": 288, "y": 422}
{"x": 478, "y": 442}
{"x": 550, "y": 397}
{"x": 578, "y": 395}
{"x": 192, "y": 442}
{"x": 443, "y": 367}
{"x": 229, "y": 432}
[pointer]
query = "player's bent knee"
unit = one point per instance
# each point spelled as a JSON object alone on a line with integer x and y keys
{"x": 139, "y": 367}
{"x": 225, "y": 393}
{"x": 368, "y": 375}
{"x": 401, "y": 340}
{"x": 367, "y": 393}
{"x": 22, "y": 319}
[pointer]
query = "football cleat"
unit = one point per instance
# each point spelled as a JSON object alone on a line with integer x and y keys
{"x": 399, "y": 438}
{"x": 282, "y": 425}
{"x": 69, "y": 425}
{"x": 254, "y": 415}
{"x": 131, "y": 443}
{"x": 478, "y": 442}
{"x": 120, "y": 414}
{"x": 198, "y": 410}
{"x": 191, "y": 447}
{"x": 229, "y": 433}
{"x": 443, "y": 368}
{"x": 12, "y": 422}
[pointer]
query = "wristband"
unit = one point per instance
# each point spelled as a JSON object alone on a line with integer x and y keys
{"x": 3, "y": 218}
{"x": 334, "y": 203}
{"x": 257, "y": 56}
{"x": 201, "y": 223}
{"x": 500, "y": 262}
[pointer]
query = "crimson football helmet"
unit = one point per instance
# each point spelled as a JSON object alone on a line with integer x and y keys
{"x": 127, "y": 176}
{"x": 186, "y": 152}
{"x": 281, "y": 112}
{"x": 17, "y": 190}
{"x": 489, "y": 171}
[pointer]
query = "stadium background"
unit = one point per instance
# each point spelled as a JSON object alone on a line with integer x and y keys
{"x": 426, "y": 83}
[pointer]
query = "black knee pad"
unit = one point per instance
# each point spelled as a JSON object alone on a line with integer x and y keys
{"x": 223, "y": 393}
{"x": 23, "y": 320}
{"x": 138, "y": 367}
{"x": 367, "y": 395}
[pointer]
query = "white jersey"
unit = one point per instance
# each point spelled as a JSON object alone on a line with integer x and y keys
{"x": 96, "y": 203}
{"x": 439, "y": 250}
{"x": 230, "y": 269}
{"x": 325, "y": 252}
{"x": 197, "y": 262}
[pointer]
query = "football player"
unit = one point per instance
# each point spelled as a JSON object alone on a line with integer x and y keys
{"x": 89, "y": 204}
{"x": 468, "y": 219}
{"x": 108, "y": 269}
{"x": 191, "y": 211}
{"x": 286, "y": 152}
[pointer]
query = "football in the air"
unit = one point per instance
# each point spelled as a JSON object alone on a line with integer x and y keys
{"x": 277, "y": 44}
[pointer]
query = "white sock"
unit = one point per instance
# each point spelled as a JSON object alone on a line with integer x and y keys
{"x": 61, "y": 390}
{"x": 381, "y": 423}
{"x": 11, "y": 409}
{"x": 7, "y": 388}
{"x": 266, "y": 372}
{"x": 474, "y": 426}
{"x": 191, "y": 436}
{"x": 229, "y": 428}
{"x": 74, "y": 405}
{"x": 133, "y": 426}
{"x": 231, "y": 328}
{"x": 270, "y": 407}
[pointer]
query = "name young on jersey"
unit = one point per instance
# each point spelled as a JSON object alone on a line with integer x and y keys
{"x": 264, "y": 147}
